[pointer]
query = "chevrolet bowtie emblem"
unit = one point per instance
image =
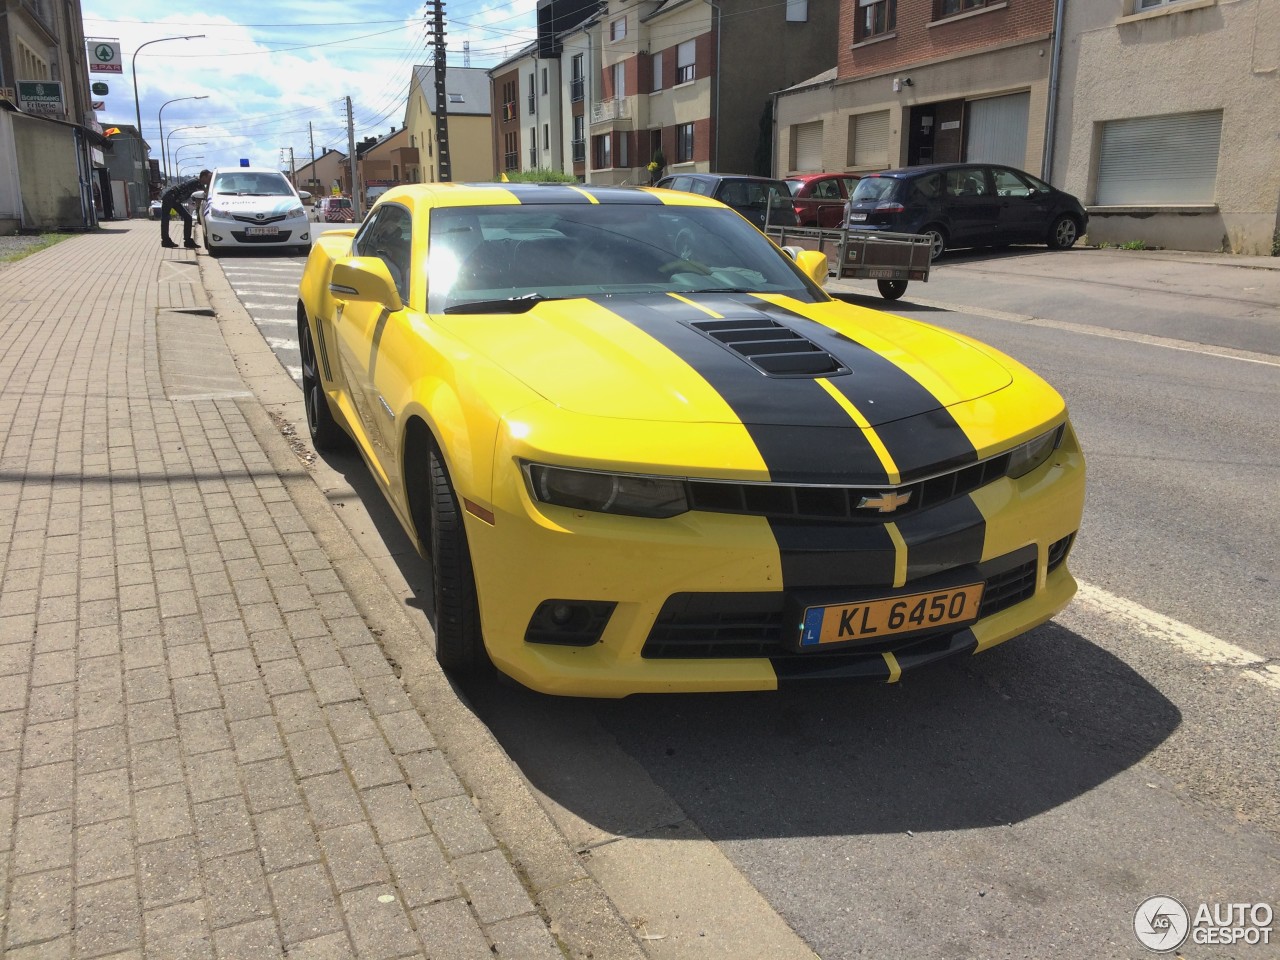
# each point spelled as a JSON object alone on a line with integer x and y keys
{"x": 885, "y": 502}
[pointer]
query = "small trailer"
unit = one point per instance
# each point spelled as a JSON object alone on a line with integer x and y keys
{"x": 890, "y": 259}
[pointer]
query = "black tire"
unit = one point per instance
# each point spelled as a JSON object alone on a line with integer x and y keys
{"x": 937, "y": 240}
{"x": 326, "y": 435}
{"x": 1064, "y": 233}
{"x": 459, "y": 644}
{"x": 209, "y": 248}
{"x": 892, "y": 289}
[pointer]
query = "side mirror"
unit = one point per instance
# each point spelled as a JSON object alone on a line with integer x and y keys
{"x": 365, "y": 280}
{"x": 813, "y": 263}
{"x": 303, "y": 195}
{"x": 198, "y": 195}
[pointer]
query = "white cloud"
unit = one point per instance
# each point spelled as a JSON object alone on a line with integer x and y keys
{"x": 270, "y": 84}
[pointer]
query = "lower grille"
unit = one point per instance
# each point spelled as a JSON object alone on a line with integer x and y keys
{"x": 753, "y": 625}
{"x": 280, "y": 237}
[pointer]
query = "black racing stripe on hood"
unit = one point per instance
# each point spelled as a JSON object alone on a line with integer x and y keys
{"x": 923, "y": 437}
{"x": 539, "y": 193}
{"x": 834, "y": 555}
{"x": 802, "y": 434}
{"x": 944, "y": 537}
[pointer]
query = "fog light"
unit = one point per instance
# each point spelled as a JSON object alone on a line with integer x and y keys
{"x": 569, "y": 623}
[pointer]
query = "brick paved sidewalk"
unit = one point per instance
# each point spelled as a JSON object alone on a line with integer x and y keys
{"x": 203, "y": 750}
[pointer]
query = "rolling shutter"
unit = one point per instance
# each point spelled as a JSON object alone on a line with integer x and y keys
{"x": 806, "y": 147}
{"x": 869, "y": 136}
{"x": 996, "y": 131}
{"x": 1167, "y": 159}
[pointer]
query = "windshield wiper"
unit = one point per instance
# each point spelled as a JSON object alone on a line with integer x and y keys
{"x": 521, "y": 304}
{"x": 719, "y": 290}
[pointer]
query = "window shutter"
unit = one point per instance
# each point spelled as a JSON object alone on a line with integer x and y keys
{"x": 869, "y": 133}
{"x": 806, "y": 147}
{"x": 1166, "y": 159}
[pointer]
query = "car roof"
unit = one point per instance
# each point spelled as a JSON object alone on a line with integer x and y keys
{"x": 806, "y": 177}
{"x": 531, "y": 194}
{"x": 934, "y": 168}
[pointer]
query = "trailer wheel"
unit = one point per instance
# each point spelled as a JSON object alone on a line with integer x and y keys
{"x": 892, "y": 289}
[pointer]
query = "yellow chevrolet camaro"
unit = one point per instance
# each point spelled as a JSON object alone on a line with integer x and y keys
{"x": 645, "y": 452}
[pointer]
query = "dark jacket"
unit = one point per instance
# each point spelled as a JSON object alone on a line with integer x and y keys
{"x": 182, "y": 192}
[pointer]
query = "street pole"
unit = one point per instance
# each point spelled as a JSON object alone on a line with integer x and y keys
{"x": 164, "y": 162}
{"x": 357, "y": 208}
{"x": 137, "y": 104}
{"x": 311, "y": 136}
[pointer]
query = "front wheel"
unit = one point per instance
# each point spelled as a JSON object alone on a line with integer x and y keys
{"x": 326, "y": 435}
{"x": 1064, "y": 233}
{"x": 937, "y": 241}
{"x": 892, "y": 289}
{"x": 459, "y": 644}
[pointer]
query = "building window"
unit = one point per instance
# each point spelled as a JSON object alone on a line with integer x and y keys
{"x": 949, "y": 8}
{"x": 511, "y": 151}
{"x": 876, "y": 17}
{"x": 533, "y": 96}
{"x": 546, "y": 136}
{"x": 1169, "y": 159}
{"x": 544, "y": 81}
{"x": 868, "y": 144}
{"x": 684, "y": 143}
{"x": 618, "y": 29}
{"x": 619, "y": 81}
{"x": 579, "y": 139}
{"x": 657, "y": 71}
{"x": 576, "y": 83}
{"x": 1152, "y": 4}
{"x": 797, "y": 11}
{"x": 624, "y": 150}
{"x": 602, "y": 158}
{"x": 686, "y": 62}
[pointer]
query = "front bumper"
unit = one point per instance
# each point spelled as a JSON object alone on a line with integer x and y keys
{"x": 673, "y": 583}
{"x": 230, "y": 232}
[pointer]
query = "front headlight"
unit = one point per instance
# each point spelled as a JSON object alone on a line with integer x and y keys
{"x": 1026, "y": 457}
{"x": 297, "y": 211}
{"x": 621, "y": 493}
{"x": 219, "y": 212}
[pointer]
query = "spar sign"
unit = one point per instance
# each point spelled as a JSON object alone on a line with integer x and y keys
{"x": 104, "y": 56}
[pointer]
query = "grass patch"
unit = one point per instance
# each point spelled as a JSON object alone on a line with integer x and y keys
{"x": 29, "y": 245}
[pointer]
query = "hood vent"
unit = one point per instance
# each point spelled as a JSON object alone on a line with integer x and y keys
{"x": 771, "y": 348}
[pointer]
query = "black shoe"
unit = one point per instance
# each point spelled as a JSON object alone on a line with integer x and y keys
{"x": 190, "y": 244}
{"x": 167, "y": 243}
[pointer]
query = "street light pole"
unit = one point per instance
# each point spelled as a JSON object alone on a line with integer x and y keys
{"x": 137, "y": 104}
{"x": 184, "y": 147}
{"x": 169, "y": 135}
{"x": 189, "y": 160}
{"x": 164, "y": 162}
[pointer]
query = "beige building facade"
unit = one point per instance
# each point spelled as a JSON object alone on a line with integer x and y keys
{"x": 1169, "y": 122}
{"x": 470, "y": 125}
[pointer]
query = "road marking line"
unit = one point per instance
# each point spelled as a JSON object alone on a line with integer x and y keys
{"x": 1169, "y": 343}
{"x": 1198, "y": 644}
{"x": 279, "y": 343}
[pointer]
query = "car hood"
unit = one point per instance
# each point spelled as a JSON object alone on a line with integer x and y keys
{"x": 729, "y": 358}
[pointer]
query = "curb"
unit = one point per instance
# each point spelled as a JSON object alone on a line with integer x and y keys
{"x": 580, "y": 916}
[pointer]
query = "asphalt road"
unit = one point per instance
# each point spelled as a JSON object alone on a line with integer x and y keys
{"x": 1018, "y": 804}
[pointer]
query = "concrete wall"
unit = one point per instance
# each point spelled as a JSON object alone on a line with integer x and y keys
{"x": 1189, "y": 56}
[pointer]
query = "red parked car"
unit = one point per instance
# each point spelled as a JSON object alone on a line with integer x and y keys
{"x": 820, "y": 197}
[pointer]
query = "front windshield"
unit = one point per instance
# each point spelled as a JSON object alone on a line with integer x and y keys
{"x": 252, "y": 184}
{"x": 480, "y": 253}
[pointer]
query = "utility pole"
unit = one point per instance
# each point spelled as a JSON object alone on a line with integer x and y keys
{"x": 436, "y": 9}
{"x": 357, "y": 202}
{"x": 312, "y": 180}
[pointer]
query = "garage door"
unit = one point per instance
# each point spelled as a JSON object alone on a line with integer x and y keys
{"x": 1167, "y": 159}
{"x": 997, "y": 130}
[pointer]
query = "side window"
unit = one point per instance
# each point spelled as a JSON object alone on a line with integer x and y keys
{"x": 850, "y": 184}
{"x": 701, "y": 187}
{"x": 966, "y": 182}
{"x": 927, "y": 188}
{"x": 1009, "y": 184}
{"x": 389, "y": 238}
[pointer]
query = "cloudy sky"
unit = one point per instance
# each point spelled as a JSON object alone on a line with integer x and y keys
{"x": 275, "y": 75}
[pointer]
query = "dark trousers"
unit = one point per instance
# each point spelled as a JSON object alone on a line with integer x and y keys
{"x": 168, "y": 203}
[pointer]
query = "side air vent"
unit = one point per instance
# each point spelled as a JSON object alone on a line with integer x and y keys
{"x": 770, "y": 347}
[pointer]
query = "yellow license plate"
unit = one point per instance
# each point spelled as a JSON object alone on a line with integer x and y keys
{"x": 872, "y": 620}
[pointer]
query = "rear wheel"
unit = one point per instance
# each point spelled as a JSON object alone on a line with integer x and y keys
{"x": 892, "y": 289}
{"x": 937, "y": 240}
{"x": 1064, "y": 233}
{"x": 459, "y": 645}
{"x": 326, "y": 435}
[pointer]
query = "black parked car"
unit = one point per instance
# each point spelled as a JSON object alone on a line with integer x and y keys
{"x": 753, "y": 197}
{"x": 966, "y": 205}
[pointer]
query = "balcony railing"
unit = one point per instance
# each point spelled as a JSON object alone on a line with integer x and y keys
{"x": 616, "y": 109}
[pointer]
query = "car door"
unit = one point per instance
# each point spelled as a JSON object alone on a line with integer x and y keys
{"x": 1025, "y": 209}
{"x": 829, "y": 200}
{"x": 372, "y": 374}
{"x": 970, "y": 206}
